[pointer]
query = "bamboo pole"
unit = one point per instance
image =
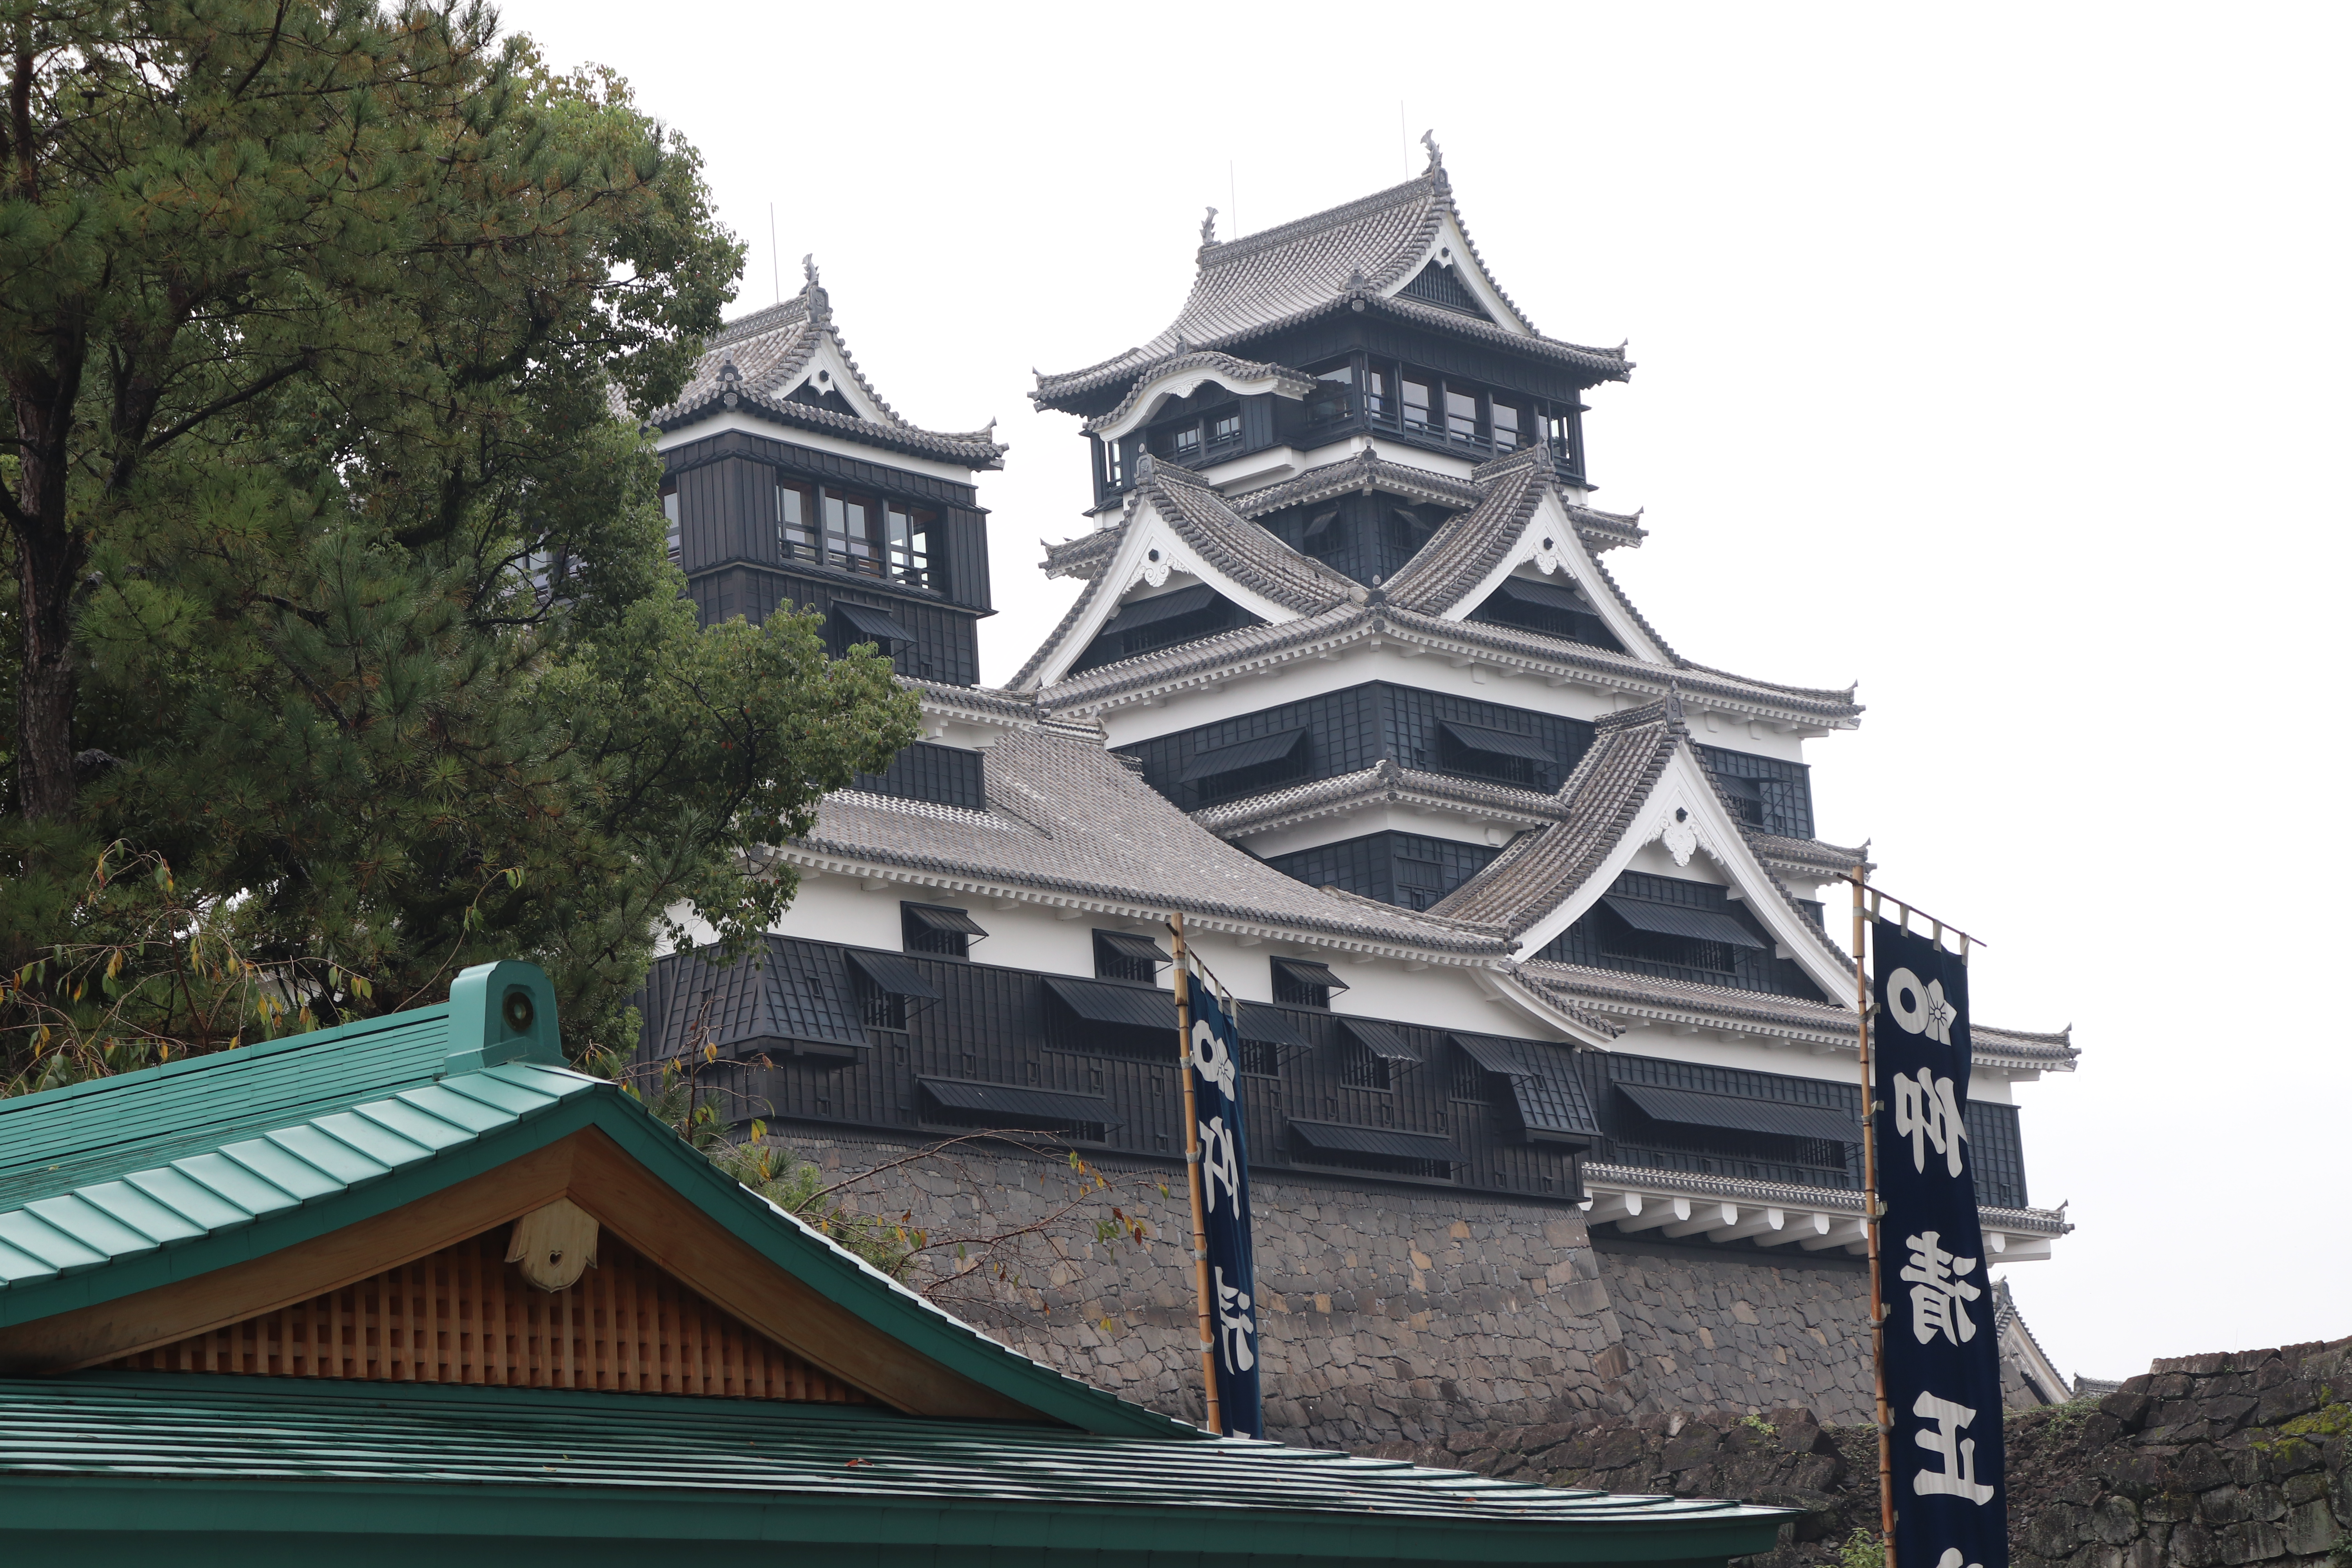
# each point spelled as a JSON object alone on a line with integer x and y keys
{"x": 1192, "y": 1169}
{"x": 1870, "y": 1211}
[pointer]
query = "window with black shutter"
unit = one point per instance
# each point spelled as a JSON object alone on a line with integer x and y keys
{"x": 941, "y": 931}
{"x": 1303, "y": 982}
{"x": 1125, "y": 955}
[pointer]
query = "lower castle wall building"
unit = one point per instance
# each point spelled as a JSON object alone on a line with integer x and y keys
{"x": 1391, "y": 1314}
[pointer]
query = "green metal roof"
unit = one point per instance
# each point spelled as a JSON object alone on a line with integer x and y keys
{"x": 125, "y": 1183}
{"x": 196, "y": 1455}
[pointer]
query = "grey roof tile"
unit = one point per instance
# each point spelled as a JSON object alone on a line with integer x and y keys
{"x": 1065, "y": 817}
{"x": 757, "y": 358}
{"x": 1365, "y": 470}
{"x": 1244, "y": 553}
{"x": 1599, "y": 803}
{"x": 1289, "y": 382}
{"x": 1605, "y": 988}
{"x": 1385, "y": 780}
{"x": 1327, "y": 262}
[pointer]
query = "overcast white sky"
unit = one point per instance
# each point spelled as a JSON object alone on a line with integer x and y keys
{"x": 1994, "y": 356}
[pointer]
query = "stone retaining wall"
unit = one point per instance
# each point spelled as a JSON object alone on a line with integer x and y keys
{"x": 2202, "y": 1462}
{"x": 1392, "y": 1312}
{"x": 1740, "y": 1330}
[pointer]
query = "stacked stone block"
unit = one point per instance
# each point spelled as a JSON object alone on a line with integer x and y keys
{"x": 2205, "y": 1461}
{"x": 1740, "y": 1330}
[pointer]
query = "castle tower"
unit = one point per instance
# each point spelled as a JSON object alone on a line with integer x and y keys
{"x": 1550, "y": 1058}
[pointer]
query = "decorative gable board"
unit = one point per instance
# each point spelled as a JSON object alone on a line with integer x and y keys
{"x": 466, "y": 1315}
{"x": 1550, "y": 547}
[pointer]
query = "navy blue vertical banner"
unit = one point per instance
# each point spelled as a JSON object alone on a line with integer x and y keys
{"x": 1943, "y": 1363}
{"x": 1213, "y": 1055}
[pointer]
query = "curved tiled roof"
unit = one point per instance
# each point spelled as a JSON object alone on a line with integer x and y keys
{"x": 1294, "y": 384}
{"x": 1235, "y": 547}
{"x": 1609, "y": 987}
{"x": 1385, "y": 780}
{"x": 1366, "y": 471}
{"x": 1083, "y": 556}
{"x": 757, "y": 358}
{"x": 1065, "y": 817}
{"x": 1831, "y": 861}
{"x": 1459, "y": 556}
{"x": 1329, "y": 260}
{"x": 1598, "y": 805}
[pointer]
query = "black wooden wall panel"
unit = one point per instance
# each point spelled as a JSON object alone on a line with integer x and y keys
{"x": 1754, "y": 970}
{"x": 999, "y": 1026}
{"x": 1411, "y": 869}
{"x": 744, "y": 497}
{"x": 1632, "y": 1138}
{"x": 1355, "y": 727}
{"x": 947, "y": 646}
{"x": 1784, "y": 790}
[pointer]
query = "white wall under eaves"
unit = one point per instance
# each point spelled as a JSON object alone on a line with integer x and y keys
{"x": 801, "y": 435}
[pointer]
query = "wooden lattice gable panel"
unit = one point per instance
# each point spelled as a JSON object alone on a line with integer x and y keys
{"x": 466, "y": 1315}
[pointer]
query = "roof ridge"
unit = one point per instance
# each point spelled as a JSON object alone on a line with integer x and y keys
{"x": 1241, "y": 247}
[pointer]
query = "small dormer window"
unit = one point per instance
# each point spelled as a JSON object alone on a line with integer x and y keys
{"x": 941, "y": 931}
{"x": 1303, "y": 982}
{"x": 1184, "y": 442}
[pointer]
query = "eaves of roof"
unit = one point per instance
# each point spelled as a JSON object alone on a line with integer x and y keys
{"x": 1289, "y": 381}
{"x": 1757, "y": 1012}
{"x": 1366, "y": 471}
{"x": 1385, "y": 780}
{"x": 749, "y": 360}
{"x": 1597, "y": 364}
{"x": 1811, "y": 855}
{"x": 1598, "y": 802}
{"x": 1081, "y": 557}
{"x": 1244, "y": 553}
{"x": 1345, "y": 258}
{"x": 595, "y": 1476}
{"x": 1848, "y": 1200}
{"x": 1247, "y": 649}
{"x": 1067, "y": 823}
{"x": 976, "y": 450}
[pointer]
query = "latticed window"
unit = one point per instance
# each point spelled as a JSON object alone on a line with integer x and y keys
{"x": 1125, "y": 955}
{"x": 941, "y": 930}
{"x": 1362, "y": 1068}
{"x": 1469, "y": 1079}
{"x": 1302, "y": 982}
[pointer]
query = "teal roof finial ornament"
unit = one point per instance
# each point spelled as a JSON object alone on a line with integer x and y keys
{"x": 502, "y": 1011}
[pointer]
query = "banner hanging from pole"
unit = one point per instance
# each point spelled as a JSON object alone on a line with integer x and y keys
{"x": 1213, "y": 1062}
{"x": 1941, "y": 1355}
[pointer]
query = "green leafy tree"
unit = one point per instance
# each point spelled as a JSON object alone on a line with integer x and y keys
{"x": 348, "y": 648}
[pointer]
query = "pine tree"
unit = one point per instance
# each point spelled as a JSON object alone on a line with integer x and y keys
{"x": 350, "y": 651}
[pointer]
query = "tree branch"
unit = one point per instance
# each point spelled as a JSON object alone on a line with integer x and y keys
{"x": 220, "y": 406}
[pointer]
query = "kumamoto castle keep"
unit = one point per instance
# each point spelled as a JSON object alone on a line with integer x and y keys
{"x": 1353, "y": 845}
{"x": 1548, "y": 1054}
